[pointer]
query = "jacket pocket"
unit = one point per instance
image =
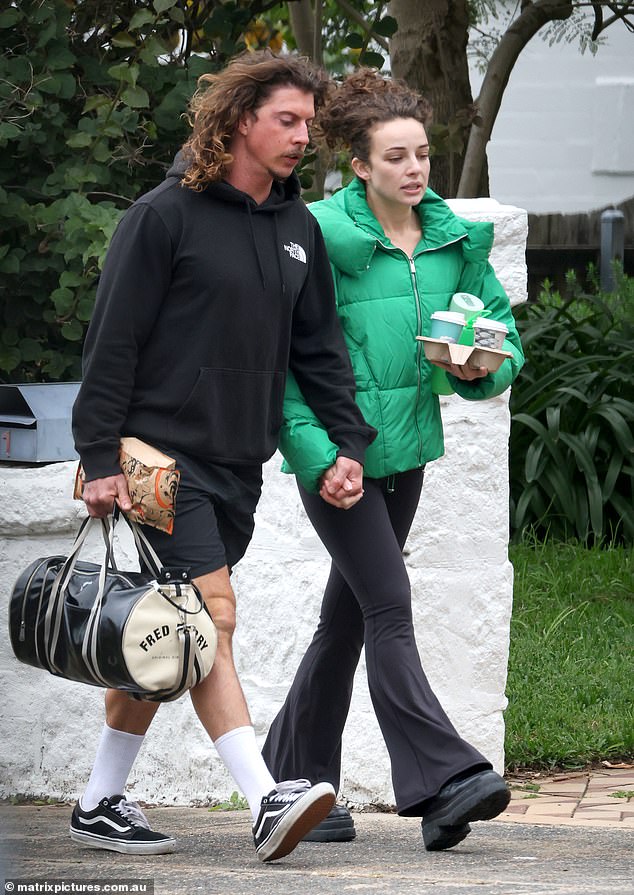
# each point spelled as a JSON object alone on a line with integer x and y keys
{"x": 231, "y": 415}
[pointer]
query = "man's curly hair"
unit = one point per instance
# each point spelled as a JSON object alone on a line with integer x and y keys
{"x": 364, "y": 99}
{"x": 222, "y": 99}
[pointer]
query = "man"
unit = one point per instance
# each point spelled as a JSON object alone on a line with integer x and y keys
{"x": 216, "y": 282}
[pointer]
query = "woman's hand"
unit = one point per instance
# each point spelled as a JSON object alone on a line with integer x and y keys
{"x": 462, "y": 371}
{"x": 342, "y": 484}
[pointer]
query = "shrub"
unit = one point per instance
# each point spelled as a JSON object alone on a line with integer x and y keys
{"x": 572, "y": 408}
{"x": 91, "y": 103}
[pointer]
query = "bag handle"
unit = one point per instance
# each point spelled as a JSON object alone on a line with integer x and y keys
{"x": 54, "y": 612}
{"x": 189, "y": 673}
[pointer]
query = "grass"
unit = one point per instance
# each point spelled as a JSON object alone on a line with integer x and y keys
{"x": 571, "y": 682}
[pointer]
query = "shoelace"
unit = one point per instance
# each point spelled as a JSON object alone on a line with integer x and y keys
{"x": 288, "y": 790}
{"x": 131, "y": 811}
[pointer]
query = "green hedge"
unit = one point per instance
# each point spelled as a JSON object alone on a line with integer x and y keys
{"x": 572, "y": 407}
{"x": 91, "y": 102}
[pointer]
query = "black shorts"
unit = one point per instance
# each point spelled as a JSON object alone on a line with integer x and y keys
{"x": 214, "y": 520}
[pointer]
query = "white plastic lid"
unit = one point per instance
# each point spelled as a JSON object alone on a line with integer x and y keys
{"x": 495, "y": 325}
{"x": 466, "y": 301}
{"x": 449, "y": 317}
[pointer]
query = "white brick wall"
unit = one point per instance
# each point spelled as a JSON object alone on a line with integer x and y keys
{"x": 462, "y": 593}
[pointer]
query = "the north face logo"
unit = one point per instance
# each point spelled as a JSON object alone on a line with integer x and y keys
{"x": 296, "y": 251}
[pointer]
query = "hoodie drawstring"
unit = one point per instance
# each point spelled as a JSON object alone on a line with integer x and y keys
{"x": 255, "y": 244}
{"x": 279, "y": 260}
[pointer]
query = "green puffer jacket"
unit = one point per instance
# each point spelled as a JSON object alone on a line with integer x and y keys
{"x": 384, "y": 301}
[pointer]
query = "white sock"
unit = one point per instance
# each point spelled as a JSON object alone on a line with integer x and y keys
{"x": 240, "y": 753}
{"x": 113, "y": 762}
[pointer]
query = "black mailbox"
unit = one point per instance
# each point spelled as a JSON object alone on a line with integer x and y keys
{"x": 35, "y": 422}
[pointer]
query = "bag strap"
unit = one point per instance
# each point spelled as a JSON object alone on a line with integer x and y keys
{"x": 144, "y": 548}
{"x": 54, "y": 612}
{"x": 53, "y": 617}
{"x": 189, "y": 673}
{"x": 188, "y": 670}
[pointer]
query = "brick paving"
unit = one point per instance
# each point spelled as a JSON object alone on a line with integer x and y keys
{"x": 600, "y": 797}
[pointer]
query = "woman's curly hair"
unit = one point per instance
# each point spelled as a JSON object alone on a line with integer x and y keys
{"x": 222, "y": 99}
{"x": 361, "y": 101}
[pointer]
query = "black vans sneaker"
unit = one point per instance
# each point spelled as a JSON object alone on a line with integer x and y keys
{"x": 337, "y": 827}
{"x": 118, "y": 825}
{"x": 288, "y": 812}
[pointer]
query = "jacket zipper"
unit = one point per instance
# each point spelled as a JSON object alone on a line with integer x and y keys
{"x": 419, "y": 328}
{"x": 419, "y": 332}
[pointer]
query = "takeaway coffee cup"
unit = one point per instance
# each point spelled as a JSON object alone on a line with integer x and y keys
{"x": 466, "y": 303}
{"x": 446, "y": 325}
{"x": 489, "y": 333}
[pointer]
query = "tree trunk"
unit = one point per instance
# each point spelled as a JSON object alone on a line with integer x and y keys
{"x": 531, "y": 19}
{"x": 302, "y": 18}
{"x": 429, "y": 52}
{"x": 306, "y": 26}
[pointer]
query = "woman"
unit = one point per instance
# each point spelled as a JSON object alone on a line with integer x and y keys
{"x": 398, "y": 254}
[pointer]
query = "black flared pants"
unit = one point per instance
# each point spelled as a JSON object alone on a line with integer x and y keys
{"x": 367, "y": 601}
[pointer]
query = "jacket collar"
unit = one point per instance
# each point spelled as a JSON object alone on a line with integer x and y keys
{"x": 352, "y": 232}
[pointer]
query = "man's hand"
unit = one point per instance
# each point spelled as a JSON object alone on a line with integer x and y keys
{"x": 462, "y": 371}
{"x": 342, "y": 483}
{"x": 100, "y": 495}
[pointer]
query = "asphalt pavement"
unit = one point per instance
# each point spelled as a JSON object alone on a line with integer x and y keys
{"x": 216, "y": 857}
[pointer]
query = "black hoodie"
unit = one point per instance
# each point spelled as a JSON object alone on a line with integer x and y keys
{"x": 205, "y": 301}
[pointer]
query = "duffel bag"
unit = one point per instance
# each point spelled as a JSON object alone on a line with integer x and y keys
{"x": 149, "y": 634}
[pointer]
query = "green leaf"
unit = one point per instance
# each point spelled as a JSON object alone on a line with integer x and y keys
{"x": 64, "y": 300}
{"x": 163, "y": 5}
{"x": 10, "y": 17}
{"x": 140, "y": 18}
{"x": 70, "y": 279}
{"x": 101, "y": 152}
{"x": 79, "y": 140}
{"x": 353, "y": 40}
{"x": 9, "y": 358}
{"x": 386, "y": 27}
{"x": 72, "y": 331}
{"x": 373, "y": 60}
{"x": 9, "y": 131}
{"x": 84, "y": 309}
{"x": 152, "y": 49}
{"x": 9, "y": 335}
{"x": 620, "y": 429}
{"x": 124, "y": 72}
{"x": 30, "y": 350}
{"x": 10, "y": 263}
{"x": 96, "y": 102}
{"x": 136, "y": 97}
{"x": 123, "y": 39}
{"x": 60, "y": 57}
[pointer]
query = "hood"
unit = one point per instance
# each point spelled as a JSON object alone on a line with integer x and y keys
{"x": 352, "y": 232}
{"x": 283, "y": 192}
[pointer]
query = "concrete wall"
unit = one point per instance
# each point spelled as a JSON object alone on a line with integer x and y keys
{"x": 563, "y": 140}
{"x": 462, "y": 594}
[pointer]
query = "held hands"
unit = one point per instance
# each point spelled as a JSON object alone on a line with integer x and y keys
{"x": 100, "y": 495}
{"x": 342, "y": 483}
{"x": 461, "y": 371}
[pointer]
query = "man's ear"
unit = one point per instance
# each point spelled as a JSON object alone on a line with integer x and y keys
{"x": 360, "y": 168}
{"x": 244, "y": 124}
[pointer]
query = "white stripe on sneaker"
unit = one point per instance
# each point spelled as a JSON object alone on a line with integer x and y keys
{"x": 102, "y": 819}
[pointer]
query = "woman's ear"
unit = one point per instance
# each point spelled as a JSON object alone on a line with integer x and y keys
{"x": 360, "y": 168}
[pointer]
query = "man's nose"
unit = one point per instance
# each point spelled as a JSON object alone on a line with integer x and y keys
{"x": 302, "y": 134}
